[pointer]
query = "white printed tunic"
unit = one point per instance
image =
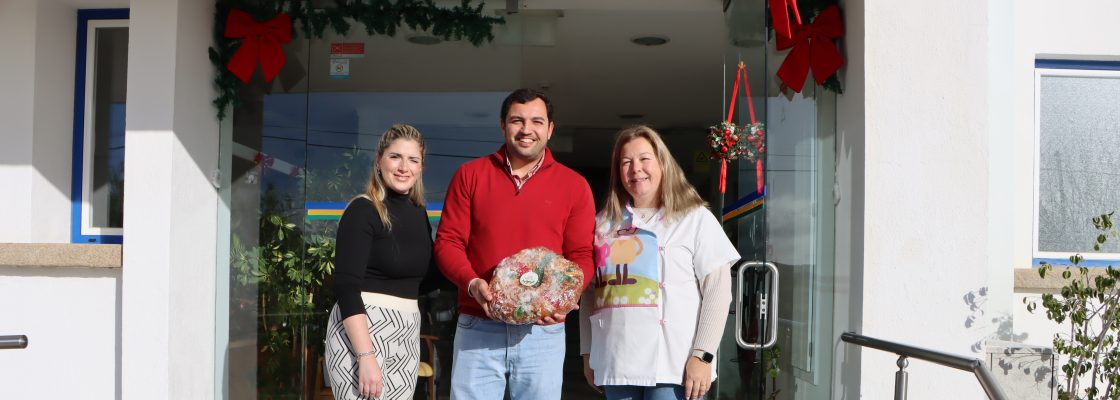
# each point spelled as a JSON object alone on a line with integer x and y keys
{"x": 647, "y": 295}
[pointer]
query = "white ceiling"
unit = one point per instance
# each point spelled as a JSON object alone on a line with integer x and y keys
{"x": 578, "y": 51}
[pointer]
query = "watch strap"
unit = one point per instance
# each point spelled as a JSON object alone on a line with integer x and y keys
{"x": 704, "y": 356}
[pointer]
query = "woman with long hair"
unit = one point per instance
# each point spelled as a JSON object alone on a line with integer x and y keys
{"x": 653, "y": 315}
{"x": 384, "y": 251}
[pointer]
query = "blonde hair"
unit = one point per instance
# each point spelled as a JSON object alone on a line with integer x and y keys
{"x": 675, "y": 194}
{"x": 375, "y": 189}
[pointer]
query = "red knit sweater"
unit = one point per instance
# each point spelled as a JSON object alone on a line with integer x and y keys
{"x": 485, "y": 219}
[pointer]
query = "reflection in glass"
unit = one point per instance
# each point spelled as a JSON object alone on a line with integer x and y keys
{"x": 110, "y": 70}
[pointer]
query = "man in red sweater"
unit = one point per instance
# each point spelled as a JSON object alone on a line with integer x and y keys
{"x": 516, "y": 198}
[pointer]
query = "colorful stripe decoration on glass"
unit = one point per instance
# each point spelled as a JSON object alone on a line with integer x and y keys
{"x": 745, "y": 206}
{"x": 435, "y": 211}
{"x": 332, "y": 210}
{"x": 328, "y": 210}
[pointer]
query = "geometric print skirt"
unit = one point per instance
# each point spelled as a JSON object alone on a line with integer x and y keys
{"x": 394, "y": 328}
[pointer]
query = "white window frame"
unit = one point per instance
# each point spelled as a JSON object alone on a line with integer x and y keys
{"x": 1055, "y": 256}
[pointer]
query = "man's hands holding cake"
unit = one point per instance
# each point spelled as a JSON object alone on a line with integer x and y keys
{"x": 479, "y": 290}
{"x": 535, "y": 285}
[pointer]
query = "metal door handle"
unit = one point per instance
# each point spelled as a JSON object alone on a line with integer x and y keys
{"x": 767, "y": 306}
{"x": 13, "y": 342}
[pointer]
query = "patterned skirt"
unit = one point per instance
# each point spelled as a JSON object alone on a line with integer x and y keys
{"x": 395, "y": 332}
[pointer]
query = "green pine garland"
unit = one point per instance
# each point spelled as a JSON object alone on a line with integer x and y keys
{"x": 380, "y": 17}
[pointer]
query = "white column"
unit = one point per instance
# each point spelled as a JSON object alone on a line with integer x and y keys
{"x": 1002, "y": 196}
{"x": 850, "y": 155}
{"x": 925, "y": 187}
{"x": 170, "y": 205}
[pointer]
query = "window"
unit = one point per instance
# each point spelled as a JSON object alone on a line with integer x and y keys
{"x": 1077, "y": 173}
{"x": 101, "y": 68}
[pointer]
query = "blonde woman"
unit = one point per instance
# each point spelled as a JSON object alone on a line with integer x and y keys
{"x": 653, "y": 315}
{"x": 384, "y": 251}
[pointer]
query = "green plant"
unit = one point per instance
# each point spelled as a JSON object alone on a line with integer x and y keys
{"x": 282, "y": 279}
{"x": 1090, "y": 303}
{"x": 772, "y": 359}
{"x": 286, "y": 272}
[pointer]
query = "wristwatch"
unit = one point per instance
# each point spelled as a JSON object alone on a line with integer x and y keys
{"x": 704, "y": 356}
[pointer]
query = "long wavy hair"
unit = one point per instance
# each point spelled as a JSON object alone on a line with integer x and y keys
{"x": 375, "y": 189}
{"x": 675, "y": 194}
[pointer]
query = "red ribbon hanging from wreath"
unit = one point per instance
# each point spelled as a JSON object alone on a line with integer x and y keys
{"x": 779, "y": 13}
{"x": 813, "y": 48}
{"x": 260, "y": 43}
{"x": 725, "y": 138}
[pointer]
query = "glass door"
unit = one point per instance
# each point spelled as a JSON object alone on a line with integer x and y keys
{"x": 450, "y": 91}
{"x": 298, "y": 148}
{"x": 789, "y": 226}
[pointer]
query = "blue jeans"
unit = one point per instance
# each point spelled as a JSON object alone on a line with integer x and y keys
{"x": 489, "y": 353}
{"x": 663, "y": 391}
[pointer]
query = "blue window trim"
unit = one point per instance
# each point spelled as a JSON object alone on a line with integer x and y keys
{"x": 77, "y": 175}
{"x": 1077, "y": 64}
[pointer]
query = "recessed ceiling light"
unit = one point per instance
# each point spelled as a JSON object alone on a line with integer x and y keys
{"x": 649, "y": 40}
{"x": 423, "y": 39}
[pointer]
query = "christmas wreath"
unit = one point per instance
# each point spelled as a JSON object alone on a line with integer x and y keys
{"x": 729, "y": 142}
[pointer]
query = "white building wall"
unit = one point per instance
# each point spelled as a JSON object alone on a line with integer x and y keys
{"x": 17, "y": 20}
{"x": 37, "y": 110}
{"x": 1073, "y": 30}
{"x": 70, "y": 316}
{"x": 925, "y": 186}
{"x": 53, "y": 116}
{"x": 170, "y": 226}
{"x": 1078, "y": 30}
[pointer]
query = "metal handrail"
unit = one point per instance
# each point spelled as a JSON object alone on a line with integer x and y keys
{"x": 13, "y": 342}
{"x": 975, "y": 366}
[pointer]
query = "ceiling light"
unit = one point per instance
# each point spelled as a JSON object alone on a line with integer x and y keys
{"x": 649, "y": 40}
{"x": 423, "y": 39}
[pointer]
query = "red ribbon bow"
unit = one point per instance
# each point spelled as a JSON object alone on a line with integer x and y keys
{"x": 260, "y": 42}
{"x": 812, "y": 48}
{"x": 760, "y": 182}
{"x": 780, "y": 16}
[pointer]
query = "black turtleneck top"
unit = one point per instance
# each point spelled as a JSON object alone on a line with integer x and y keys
{"x": 370, "y": 258}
